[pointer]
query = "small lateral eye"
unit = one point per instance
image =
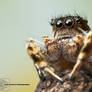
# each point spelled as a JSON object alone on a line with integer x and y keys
{"x": 77, "y": 20}
{"x": 52, "y": 22}
{"x": 59, "y": 23}
{"x": 68, "y": 22}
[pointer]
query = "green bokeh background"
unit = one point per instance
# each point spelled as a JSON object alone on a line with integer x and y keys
{"x": 21, "y": 19}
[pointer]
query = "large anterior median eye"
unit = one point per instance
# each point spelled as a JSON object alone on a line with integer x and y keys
{"x": 59, "y": 23}
{"x": 68, "y": 22}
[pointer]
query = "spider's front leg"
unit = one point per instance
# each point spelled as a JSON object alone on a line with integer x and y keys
{"x": 84, "y": 56}
{"x": 38, "y": 52}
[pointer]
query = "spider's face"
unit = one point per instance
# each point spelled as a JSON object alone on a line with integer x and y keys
{"x": 67, "y": 27}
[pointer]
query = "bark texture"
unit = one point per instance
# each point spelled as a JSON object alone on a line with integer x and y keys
{"x": 82, "y": 83}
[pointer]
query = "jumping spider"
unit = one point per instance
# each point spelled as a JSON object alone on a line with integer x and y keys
{"x": 71, "y": 47}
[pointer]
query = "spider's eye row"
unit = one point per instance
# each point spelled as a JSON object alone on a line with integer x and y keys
{"x": 77, "y": 20}
{"x": 59, "y": 23}
{"x": 68, "y": 22}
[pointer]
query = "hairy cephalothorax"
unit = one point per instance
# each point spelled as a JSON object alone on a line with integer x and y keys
{"x": 72, "y": 44}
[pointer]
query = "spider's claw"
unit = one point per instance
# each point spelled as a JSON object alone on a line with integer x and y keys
{"x": 70, "y": 78}
{"x": 62, "y": 81}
